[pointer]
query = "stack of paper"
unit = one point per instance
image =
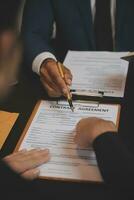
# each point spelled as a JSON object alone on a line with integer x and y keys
{"x": 95, "y": 72}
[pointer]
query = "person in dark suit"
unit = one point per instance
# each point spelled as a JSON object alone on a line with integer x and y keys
{"x": 50, "y": 28}
{"x": 114, "y": 148}
{"x": 18, "y": 169}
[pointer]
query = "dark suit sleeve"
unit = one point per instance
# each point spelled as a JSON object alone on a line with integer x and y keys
{"x": 12, "y": 186}
{"x": 37, "y": 28}
{"x": 115, "y": 161}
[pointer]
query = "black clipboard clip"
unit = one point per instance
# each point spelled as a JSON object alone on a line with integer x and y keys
{"x": 87, "y": 93}
{"x": 128, "y": 57}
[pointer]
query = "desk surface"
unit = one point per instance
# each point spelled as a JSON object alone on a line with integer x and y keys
{"x": 22, "y": 100}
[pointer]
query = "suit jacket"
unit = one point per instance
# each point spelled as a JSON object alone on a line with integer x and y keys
{"x": 12, "y": 186}
{"x": 115, "y": 152}
{"x": 74, "y": 27}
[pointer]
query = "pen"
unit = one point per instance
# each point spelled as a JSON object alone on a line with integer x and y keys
{"x": 69, "y": 98}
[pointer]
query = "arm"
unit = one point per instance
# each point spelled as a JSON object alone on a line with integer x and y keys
{"x": 115, "y": 161}
{"x": 37, "y": 28}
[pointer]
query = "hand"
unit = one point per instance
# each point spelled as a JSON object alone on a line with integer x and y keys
{"x": 26, "y": 163}
{"x": 52, "y": 80}
{"x": 87, "y": 130}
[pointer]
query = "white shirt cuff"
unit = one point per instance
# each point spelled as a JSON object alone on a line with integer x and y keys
{"x": 40, "y": 59}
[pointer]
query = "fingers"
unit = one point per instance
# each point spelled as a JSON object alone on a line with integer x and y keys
{"x": 31, "y": 174}
{"x": 81, "y": 140}
{"x": 68, "y": 76}
{"x": 52, "y": 92}
{"x": 78, "y": 139}
{"x": 79, "y": 136}
{"x": 36, "y": 158}
{"x": 87, "y": 130}
{"x": 84, "y": 129}
{"x": 15, "y": 155}
{"x": 68, "y": 79}
{"x": 57, "y": 79}
{"x": 52, "y": 80}
{"x": 46, "y": 79}
{"x": 26, "y": 160}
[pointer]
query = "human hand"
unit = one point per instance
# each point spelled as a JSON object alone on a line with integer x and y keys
{"x": 87, "y": 130}
{"x": 26, "y": 163}
{"x": 52, "y": 80}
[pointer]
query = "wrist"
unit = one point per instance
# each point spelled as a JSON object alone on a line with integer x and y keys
{"x": 39, "y": 59}
{"x": 98, "y": 134}
{"x": 46, "y": 62}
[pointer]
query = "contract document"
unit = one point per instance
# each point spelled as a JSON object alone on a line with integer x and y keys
{"x": 52, "y": 125}
{"x": 95, "y": 72}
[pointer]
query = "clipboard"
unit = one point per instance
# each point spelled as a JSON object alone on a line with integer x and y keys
{"x": 100, "y": 82}
{"x": 97, "y": 179}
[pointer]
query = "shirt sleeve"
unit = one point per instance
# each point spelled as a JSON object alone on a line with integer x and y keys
{"x": 39, "y": 59}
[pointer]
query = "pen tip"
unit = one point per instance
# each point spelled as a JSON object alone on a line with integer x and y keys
{"x": 72, "y": 108}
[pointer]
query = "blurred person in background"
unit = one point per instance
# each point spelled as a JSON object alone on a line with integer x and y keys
{"x": 18, "y": 170}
